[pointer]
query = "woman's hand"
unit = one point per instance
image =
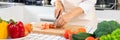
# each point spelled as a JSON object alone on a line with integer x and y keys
{"x": 62, "y": 20}
{"x": 58, "y": 8}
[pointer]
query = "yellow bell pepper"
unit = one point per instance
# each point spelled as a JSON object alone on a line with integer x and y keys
{"x": 3, "y": 29}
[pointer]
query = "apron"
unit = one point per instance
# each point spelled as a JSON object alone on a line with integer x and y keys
{"x": 88, "y": 20}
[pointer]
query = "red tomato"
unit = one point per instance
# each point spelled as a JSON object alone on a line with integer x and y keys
{"x": 90, "y": 38}
{"x": 51, "y": 25}
{"x": 67, "y": 34}
{"x": 43, "y": 26}
{"x": 47, "y": 25}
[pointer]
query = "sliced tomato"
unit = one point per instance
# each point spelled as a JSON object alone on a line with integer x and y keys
{"x": 47, "y": 25}
{"x": 51, "y": 26}
{"x": 43, "y": 27}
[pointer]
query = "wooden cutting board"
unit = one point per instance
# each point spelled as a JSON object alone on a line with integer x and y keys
{"x": 59, "y": 32}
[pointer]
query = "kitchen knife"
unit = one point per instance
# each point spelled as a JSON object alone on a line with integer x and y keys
{"x": 47, "y": 19}
{"x": 56, "y": 19}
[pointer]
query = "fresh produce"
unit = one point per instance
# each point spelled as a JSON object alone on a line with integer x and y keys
{"x": 26, "y": 32}
{"x": 46, "y": 26}
{"x": 116, "y": 32}
{"x": 114, "y": 36}
{"x": 3, "y": 29}
{"x": 106, "y": 27}
{"x": 67, "y": 34}
{"x": 51, "y": 26}
{"x": 28, "y": 28}
{"x": 81, "y": 29}
{"x": 80, "y": 36}
{"x": 90, "y": 38}
{"x": 21, "y": 28}
{"x": 16, "y": 29}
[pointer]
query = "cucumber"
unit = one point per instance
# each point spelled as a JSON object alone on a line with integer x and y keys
{"x": 80, "y": 36}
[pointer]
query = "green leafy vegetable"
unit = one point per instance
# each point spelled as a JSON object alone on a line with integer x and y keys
{"x": 106, "y": 27}
{"x": 114, "y": 36}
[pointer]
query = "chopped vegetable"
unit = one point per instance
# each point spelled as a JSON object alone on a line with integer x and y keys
{"x": 46, "y": 26}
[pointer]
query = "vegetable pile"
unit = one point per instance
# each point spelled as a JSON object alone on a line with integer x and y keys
{"x": 12, "y": 29}
{"x": 106, "y": 27}
{"x": 106, "y": 30}
{"x": 79, "y": 34}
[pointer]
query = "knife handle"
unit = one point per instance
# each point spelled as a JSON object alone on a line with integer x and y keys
{"x": 58, "y": 15}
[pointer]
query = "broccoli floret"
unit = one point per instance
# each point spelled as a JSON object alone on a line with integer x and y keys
{"x": 106, "y": 27}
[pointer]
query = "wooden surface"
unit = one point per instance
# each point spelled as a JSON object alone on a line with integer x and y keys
{"x": 59, "y": 32}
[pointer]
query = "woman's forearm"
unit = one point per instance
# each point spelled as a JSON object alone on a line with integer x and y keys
{"x": 75, "y": 12}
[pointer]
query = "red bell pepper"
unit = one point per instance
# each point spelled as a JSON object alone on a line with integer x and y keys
{"x": 21, "y": 29}
{"x": 16, "y": 29}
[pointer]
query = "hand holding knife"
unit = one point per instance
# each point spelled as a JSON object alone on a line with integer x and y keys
{"x": 56, "y": 19}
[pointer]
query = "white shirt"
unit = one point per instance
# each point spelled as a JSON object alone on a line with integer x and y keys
{"x": 88, "y": 19}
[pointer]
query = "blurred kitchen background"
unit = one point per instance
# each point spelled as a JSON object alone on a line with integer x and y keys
{"x": 100, "y": 5}
{"x": 33, "y": 10}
